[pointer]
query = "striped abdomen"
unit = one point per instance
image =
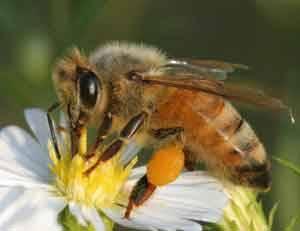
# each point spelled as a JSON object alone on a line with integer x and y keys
{"x": 215, "y": 133}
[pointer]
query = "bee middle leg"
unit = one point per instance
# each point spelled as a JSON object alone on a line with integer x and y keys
{"x": 131, "y": 128}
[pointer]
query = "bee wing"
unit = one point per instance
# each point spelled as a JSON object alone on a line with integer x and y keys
{"x": 209, "y": 84}
{"x": 209, "y": 69}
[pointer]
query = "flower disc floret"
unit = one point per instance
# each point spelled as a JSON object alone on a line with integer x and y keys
{"x": 99, "y": 189}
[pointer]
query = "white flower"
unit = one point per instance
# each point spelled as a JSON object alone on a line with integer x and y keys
{"x": 35, "y": 187}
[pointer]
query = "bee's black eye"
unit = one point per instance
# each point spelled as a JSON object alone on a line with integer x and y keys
{"x": 88, "y": 88}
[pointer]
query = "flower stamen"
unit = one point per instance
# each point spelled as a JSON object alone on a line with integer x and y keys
{"x": 75, "y": 181}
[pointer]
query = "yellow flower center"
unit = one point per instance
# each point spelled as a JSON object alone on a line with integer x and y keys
{"x": 100, "y": 189}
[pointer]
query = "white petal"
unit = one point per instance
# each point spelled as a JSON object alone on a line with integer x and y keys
{"x": 63, "y": 121}
{"x": 37, "y": 121}
{"x": 116, "y": 214}
{"x": 21, "y": 158}
{"x": 76, "y": 210}
{"x": 29, "y": 210}
{"x": 64, "y": 139}
{"x": 136, "y": 173}
{"x": 194, "y": 196}
{"x": 92, "y": 216}
{"x": 9, "y": 199}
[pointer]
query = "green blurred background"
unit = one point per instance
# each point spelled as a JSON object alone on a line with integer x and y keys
{"x": 264, "y": 34}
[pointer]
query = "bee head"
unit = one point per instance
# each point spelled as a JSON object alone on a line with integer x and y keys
{"x": 80, "y": 89}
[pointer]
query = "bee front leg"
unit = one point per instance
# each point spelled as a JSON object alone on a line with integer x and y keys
{"x": 101, "y": 135}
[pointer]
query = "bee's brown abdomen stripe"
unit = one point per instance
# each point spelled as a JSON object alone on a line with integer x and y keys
{"x": 238, "y": 125}
{"x": 228, "y": 122}
{"x": 215, "y": 109}
{"x": 245, "y": 140}
{"x": 209, "y": 106}
{"x": 237, "y": 132}
{"x": 249, "y": 145}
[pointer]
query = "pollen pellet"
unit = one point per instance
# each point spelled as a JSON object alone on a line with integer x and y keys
{"x": 165, "y": 165}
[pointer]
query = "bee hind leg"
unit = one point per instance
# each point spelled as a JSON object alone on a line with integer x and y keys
{"x": 190, "y": 163}
{"x": 140, "y": 193}
{"x": 165, "y": 136}
{"x": 163, "y": 168}
{"x": 162, "y": 133}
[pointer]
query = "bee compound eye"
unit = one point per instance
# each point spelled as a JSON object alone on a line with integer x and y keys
{"x": 88, "y": 88}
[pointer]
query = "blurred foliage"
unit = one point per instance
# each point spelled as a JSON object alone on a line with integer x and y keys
{"x": 69, "y": 222}
{"x": 293, "y": 167}
{"x": 292, "y": 224}
{"x": 263, "y": 34}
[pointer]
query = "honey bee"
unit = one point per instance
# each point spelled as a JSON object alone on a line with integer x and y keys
{"x": 184, "y": 102}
